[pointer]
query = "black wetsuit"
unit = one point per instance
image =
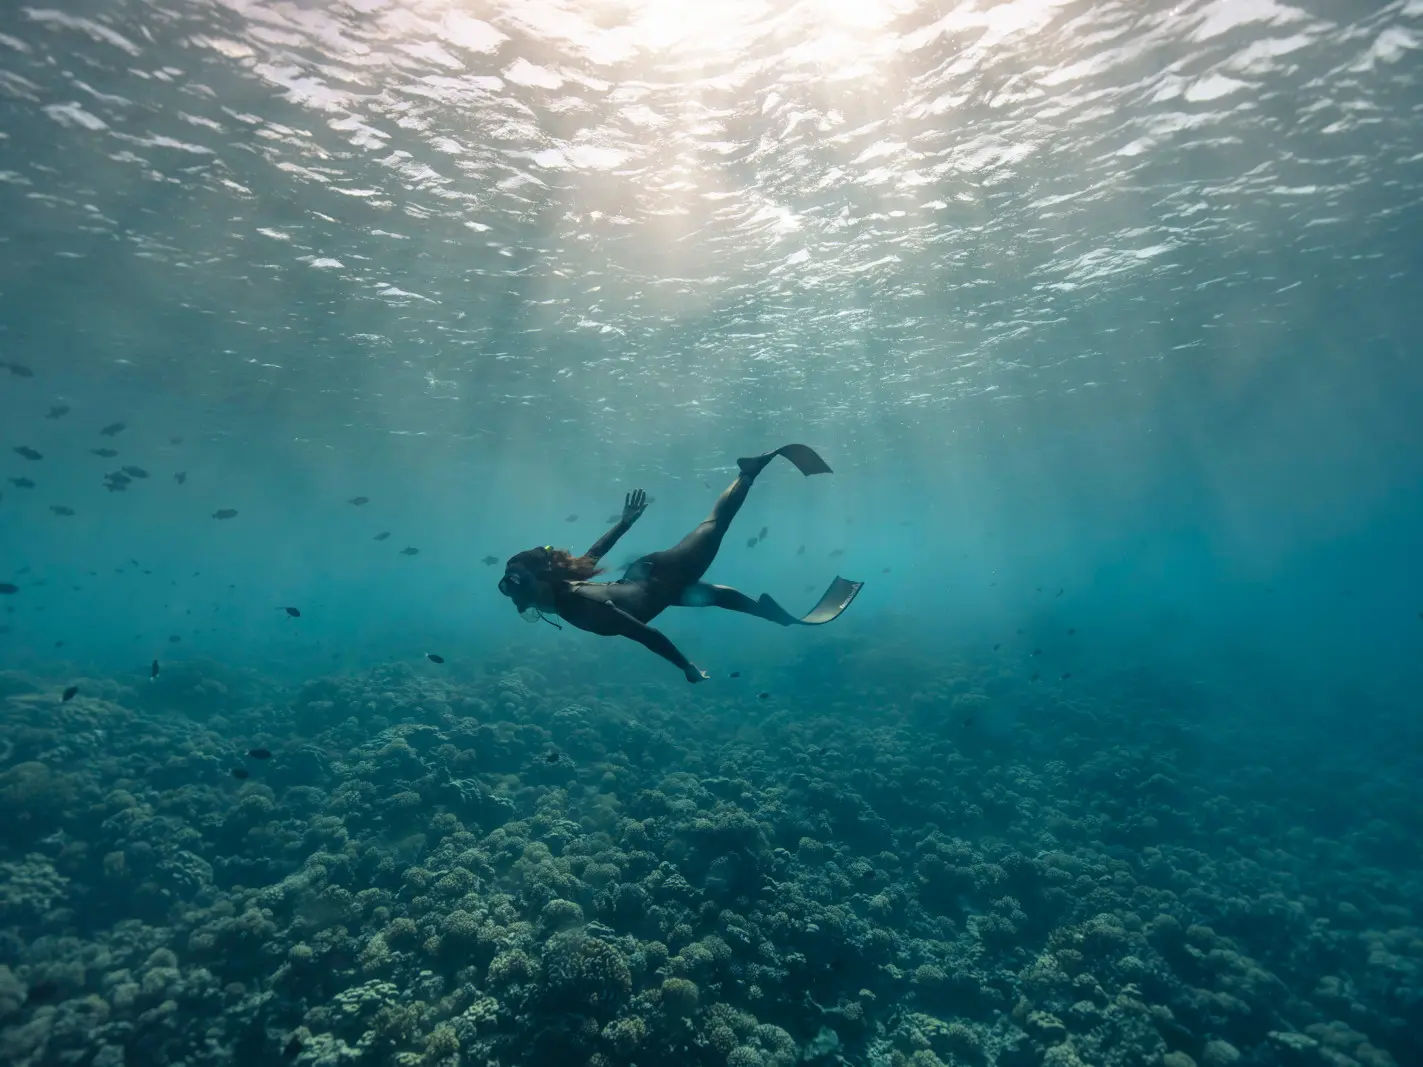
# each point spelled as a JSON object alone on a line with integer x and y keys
{"x": 674, "y": 576}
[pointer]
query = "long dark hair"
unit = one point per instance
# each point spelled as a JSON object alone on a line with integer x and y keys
{"x": 556, "y": 565}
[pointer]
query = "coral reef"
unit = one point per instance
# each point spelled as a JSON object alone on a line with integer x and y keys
{"x": 412, "y": 879}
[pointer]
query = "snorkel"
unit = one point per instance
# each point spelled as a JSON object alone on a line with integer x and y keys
{"x": 520, "y": 582}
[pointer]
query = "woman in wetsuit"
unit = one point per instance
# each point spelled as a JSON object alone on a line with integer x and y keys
{"x": 551, "y": 581}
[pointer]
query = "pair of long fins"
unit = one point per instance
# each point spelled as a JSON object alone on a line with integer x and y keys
{"x": 842, "y": 591}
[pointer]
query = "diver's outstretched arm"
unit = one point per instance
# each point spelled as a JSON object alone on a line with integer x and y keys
{"x": 654, "y": 641}
{"x": 633, "y": 507}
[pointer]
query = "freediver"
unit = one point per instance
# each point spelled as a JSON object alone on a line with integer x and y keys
{"x": 552, "y": 581}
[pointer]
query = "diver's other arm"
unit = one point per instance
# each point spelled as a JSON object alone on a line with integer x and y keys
{"x": 633, "y": 506}
{"x": 655, "y": 641}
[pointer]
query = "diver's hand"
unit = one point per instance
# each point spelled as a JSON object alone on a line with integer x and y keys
{"x": 695, "y": 675}
{"x": 634, "y": 505}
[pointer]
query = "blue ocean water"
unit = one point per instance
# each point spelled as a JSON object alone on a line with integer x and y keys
{"x": 1103, "y": 314}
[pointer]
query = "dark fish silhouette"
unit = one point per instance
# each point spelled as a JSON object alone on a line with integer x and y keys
{"x": 22, "y": 483}
{"x": 295, "y": 613}
{"x": 259, "y": 753}
{"x": 106, "y": 453}
{"x": 1036, "y": 676}
{"x": 1058, "y": 594}
{"x": 800, "y": 551}
{"x": 409, "y": 551}
{"x": 736, "y": 674}
{"x": 181, "y": 477}
{"x": 763, "y": 696}
{"x": 58, "y": 411}
{"x": 995, "y": 648}
{"x": 762, "y": 535}
{"x": 359, "y": 500}
{"x": 153, "y": 671}
{"x": 175, "y": 440}
{"x": 884, "y": 570}
{"x": 241, "y": 772}
{"x": 136, "y": 472}
{"x": 113, "y": 429}
{"x": 8, "y": 589}
{"x": 553, "y": 757}
{"x": 69, "y": 694}
{"x": 570, "y": 518}
{"x": 382, "y": 536}
{"x": 751, "y": 542}
{"x": 1066, "y": 675}
{"x": 1071, "y": 630}
{"x": 489, "y": 561}
{"x": 837, "y": 552}
{"x": 225, "y": 513}
{"x": 434, "y": 657}
{"x": 1037, "y": 652}
{"x": 173, "y": 639}
{"x": 19, "y": 370}
{"x": 28, "y": 452}
{"x": 60, "y": 509}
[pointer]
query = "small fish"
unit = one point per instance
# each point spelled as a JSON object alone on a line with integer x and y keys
{"x": 409, "y": 551}
{"x": 1037, "y": 652}
{"x": 763, "y": 696}
{"x": 968, "y": 722}
{"x": 259, "y": 753}
{"x": 359, "y": 500}
{"x": 1071, "y": 630}
{"x": 22, "y": 483}
{"x": 489, "y": 561}
{"x": 175, "y": 440}
{"x": 241, "y": 773}
{"x": 570, "y": 518}
{"x": 995, "y": 648}
{"x": 60, "y": 509}
{"x": 1036, "y": 676}
{"x": 295, "y": 613}
{"x": 1065, "y": 676}
{"x": 28, "y": 452}
{"x": 113, "y": 429}
{"x": 751, "y": 542}
{"x": 69, "y": 694}
{"x": 884, "y": 570}
{"x": 136, "y": 472}
{"x": 837, "y": 552}
{"x": 553, "y": 757}
{"x": 762, "y": 535}
{"x": 181, "y": 477}
{"x": 117, "y": 487}
{"x": 8, "y": 589}
{"x": 173, "y": 639}
{"x": 434, "y": 657}
{"x": 117, "y": 478}
{"x": 105, "y": 453}
{"x": 19, "y": 370}
{"x": 58, "y": 411}
{"x": 153, "y": 671}
{"x": 1058, "y": 593}
{"x": 800, "y": 551}
{"x": 383, "y": 535}
{"x": 225, "y": 513}
{"x": 736, "y": 674}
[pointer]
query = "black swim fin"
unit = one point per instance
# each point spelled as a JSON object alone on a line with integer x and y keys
{"x": 806, "y": 459}
{"x": 832, "y": 605}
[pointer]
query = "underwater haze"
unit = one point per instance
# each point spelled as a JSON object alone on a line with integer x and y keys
{"x": 1105, "y": 316}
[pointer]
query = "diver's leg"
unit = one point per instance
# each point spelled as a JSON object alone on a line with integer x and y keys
{"x": 832, "y": 604}
{"x": 705, "y": 595}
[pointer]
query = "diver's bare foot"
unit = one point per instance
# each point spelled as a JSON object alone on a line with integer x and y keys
{"x": 695, "y": 675}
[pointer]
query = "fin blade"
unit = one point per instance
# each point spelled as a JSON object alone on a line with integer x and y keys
{"x": 837, "y": 598}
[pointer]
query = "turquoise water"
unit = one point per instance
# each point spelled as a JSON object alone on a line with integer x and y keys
{"x": 1104, "y": 315}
